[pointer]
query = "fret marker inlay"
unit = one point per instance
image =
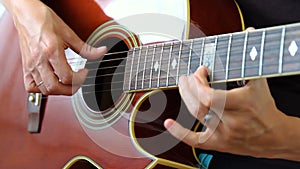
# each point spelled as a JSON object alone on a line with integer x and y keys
{"x": 293, "y": 48}
{"x": 209, "y": 53}
{"x": 261, "y": 53}
{"x": 253, "y": 53}
{"x": 174, "y": 63}
{"x": 156, "y": 66}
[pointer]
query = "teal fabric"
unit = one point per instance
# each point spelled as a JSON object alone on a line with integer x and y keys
{"x": 205, "y": 160}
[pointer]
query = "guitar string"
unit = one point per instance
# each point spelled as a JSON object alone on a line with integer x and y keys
{"x": 200, "y": 164}
{"x": 215, "y": 71}
{"x": 164, "y": 76}
{"x": 251, "y": 66}
{"x": 267, "y": 30}
{"x": 220, "y": 47}
{"x": 234, "y": 53}
{"x": 240, "y": 41}
{"x": 121, "y": 89}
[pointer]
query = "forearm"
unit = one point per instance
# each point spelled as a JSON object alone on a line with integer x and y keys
{"x": 11, "y": 5}
{"x": 28, "y": 15}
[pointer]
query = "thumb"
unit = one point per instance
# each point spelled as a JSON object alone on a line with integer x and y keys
{"x": 92, "y": 53}
{"x": 191, "y": 138}
{"x": 82, "y": 48}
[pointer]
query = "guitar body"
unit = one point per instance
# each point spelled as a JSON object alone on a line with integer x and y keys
{"x": 130, "y": 132}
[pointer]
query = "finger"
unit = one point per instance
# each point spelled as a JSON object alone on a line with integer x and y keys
{"x": 38, "y": 82}
{"x": 250, "y": 29}
{"x": 207, "y": 94}
{"x": 83, "y": 49}
{"x": 92, "y": 53}
{"x": 192, "y": 99}
{"x": 61, "y": 68}
{"x": 51, "y": 83}
{"x": 195, "y": 139}
{"x": 29, "y": 82}
{"x": 201, "y": 75}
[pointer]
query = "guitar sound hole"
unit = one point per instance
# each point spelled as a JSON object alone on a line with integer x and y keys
{"x": 104, "y": 83}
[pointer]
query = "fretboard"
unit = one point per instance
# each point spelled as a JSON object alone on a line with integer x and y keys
{"x": 229, "y": 57}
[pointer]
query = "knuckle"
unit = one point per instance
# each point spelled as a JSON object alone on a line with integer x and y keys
{"x": 38, "y": 64}
{"x": 66, "y": 78}
{"x": 49, "y": 49}
{"x": 194, "y": 109}
{"x": 205, "y": 95}
{"x": 29, "y": 85}
{"x": 28, "y": 88}
{"x": 35, "y": 52}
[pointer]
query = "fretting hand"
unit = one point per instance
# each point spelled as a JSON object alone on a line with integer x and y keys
{"x": 249, "y": 124}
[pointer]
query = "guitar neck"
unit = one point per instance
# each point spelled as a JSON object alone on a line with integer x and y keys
{"x": 229, "y": 57}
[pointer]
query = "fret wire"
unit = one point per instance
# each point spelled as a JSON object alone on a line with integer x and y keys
{"x": 241, "y": 43}
{"x": 244, "y": 55}
{"x": 121, "y": 73}
{"x": 214, "y": 58}
{"x": 281, "y": 50}
{"x": 190, "y": 54}
{"x": 248, "y": 67}
{"x": 130, "y": 74}
{"x": 217, "y": 70}
{"x": 202, "y": 52}
{"x": 138, "y": 65}
{"x": 92, "y": 62}
{"x": 228, "y": 54}
{"x": 144, "y": 70}
{"x": 158, "y": 78}
{"x": 179, "y": 57}
{"x": 222, "y": 47}
{"x": 262, "y": 51}
{"x": 291, "y": 25}
{"x": 151, "y": 69}
{"x": 162, "y": 60}
{"x": 170, "y": 56}
{"x": 261, "y": 58}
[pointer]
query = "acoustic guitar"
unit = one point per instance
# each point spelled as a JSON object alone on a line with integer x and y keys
{"x": 116, "y": 119}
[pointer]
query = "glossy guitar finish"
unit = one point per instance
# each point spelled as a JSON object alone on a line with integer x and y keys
{"x": 62, "y": 137}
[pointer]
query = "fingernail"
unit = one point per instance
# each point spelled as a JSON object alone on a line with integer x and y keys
{"x": 102, "y": 48}
{"x": 168, "y": 123}
{"x": 204, "y": 68}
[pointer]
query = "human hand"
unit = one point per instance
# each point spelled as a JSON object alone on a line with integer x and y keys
{"x": 43, "y": 39}
{"x": 249, "y": 124}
